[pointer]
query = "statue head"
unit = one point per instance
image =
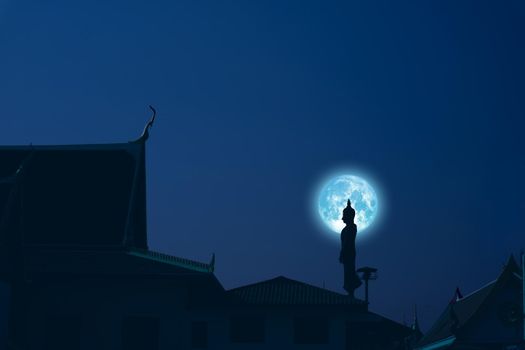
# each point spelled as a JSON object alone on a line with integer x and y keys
{"x": 348, "y": 213}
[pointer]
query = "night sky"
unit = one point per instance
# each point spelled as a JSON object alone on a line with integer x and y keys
{"x": 259, "y": 101}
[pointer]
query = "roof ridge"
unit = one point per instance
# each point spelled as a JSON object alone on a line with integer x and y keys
{"x": 478, "y": 290}
{"x": 282, "y": 290}
{"x": 281, "y": 277}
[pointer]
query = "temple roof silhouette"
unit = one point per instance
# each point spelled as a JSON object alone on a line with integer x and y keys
{"x": 81, "y": 209}
{"x": 464, "y": 308}
{"x": 285, "y": 291}
{"x": 459, "y": 312}
{"x": 130, "y": 261}
{"x": 75, "y": 194}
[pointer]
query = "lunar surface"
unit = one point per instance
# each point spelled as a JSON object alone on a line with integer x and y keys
{"x": 333, "y": 198}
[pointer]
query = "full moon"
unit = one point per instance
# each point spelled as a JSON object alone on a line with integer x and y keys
{"x": 333, "y": 198}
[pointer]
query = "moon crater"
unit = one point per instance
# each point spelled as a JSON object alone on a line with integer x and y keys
{"x": 333, "y": 198}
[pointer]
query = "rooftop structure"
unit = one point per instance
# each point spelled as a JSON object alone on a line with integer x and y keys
{"x": 490, "y": 317}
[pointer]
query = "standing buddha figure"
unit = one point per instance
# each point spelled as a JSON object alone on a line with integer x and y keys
{"x": 348, "y": 254}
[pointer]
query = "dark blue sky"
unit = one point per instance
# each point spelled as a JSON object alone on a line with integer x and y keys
{"x": 259, "y": 101}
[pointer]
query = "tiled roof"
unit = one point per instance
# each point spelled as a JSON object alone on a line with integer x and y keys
{"x": 285, "y": 291}
{"x": 463, "y": 309}
{"x": 458, "y": 313}
{"x": 173, "y": 260}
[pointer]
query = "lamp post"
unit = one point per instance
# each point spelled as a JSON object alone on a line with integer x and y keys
{"x": 366, "y": 274}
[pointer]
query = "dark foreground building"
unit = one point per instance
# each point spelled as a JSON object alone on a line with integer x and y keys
{"x": 490, "y": 318}
{"x": 76, "y": 271}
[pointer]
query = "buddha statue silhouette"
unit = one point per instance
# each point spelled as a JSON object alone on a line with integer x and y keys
{"x": 347, "y": 255}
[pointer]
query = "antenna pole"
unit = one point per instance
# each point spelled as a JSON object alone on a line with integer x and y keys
{"x": 366, "y": 291}
{"x": 523, "y": 291}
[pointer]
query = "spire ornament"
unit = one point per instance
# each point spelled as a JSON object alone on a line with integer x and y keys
{"x": 149, "y": 125}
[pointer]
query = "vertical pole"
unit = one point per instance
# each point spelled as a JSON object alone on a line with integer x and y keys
{"x": 523, "y": 291}
{"x": 366, "y": 290}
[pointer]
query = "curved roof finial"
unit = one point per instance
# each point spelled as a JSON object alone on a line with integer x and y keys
{"x": 145, "y": 133}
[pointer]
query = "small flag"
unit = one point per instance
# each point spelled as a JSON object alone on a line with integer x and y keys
{"x": 457, "y": 296}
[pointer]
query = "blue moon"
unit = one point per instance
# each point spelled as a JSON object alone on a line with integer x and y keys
{"x": 333, "y": 198}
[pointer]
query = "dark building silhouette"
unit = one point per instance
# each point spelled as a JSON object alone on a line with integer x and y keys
{"x": 489, "y": 318}
{"x": 297, "y": 314}
{"x": 77, "y": 273}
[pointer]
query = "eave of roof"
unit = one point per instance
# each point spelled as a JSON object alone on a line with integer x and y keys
{"x": 108, "y": 261}
{"x": 172, "y": 260}
{"x": 440, "y": 344}
{"x": 71, "y": 147}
